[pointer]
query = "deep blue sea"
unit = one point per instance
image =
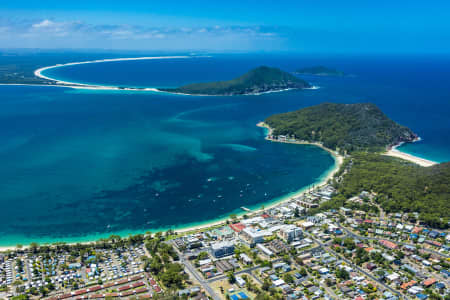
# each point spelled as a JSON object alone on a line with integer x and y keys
{"x": 82, "y": 164}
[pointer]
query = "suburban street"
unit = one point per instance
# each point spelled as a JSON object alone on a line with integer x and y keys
{"x": 324, "y": 246}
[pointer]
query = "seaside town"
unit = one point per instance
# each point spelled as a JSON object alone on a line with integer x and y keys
{"x": 288, "y": 251}
{"x": 224, "y": 150}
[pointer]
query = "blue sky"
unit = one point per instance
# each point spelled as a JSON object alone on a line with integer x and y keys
{"x": 296, "y": 26}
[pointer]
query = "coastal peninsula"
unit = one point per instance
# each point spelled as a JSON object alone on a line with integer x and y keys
{"x": 259, "y": 80}
{"x": 362, "y": 133}
{"x": 319, "y": 71}
{"x": 343, "y": 127}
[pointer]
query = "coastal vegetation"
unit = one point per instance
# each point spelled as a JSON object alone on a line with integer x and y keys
{"x": 343, "y": 127}
{"x": 259, "y": 80}
{"x": 319, "y": 71}
{"x": 399, "y": 186}
{"x": 362, "y": 130}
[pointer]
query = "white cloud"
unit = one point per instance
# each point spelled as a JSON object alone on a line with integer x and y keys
{"x": 45, "y": 23}
{"x": 68, "y": 33}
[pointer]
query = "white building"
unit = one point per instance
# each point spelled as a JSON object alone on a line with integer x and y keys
{"x": 222, "y": 249}
{"x": 240, "y": 281}
{"x": 245, "y": 259}
{"x": 252, "y": 221}
{"x": 264, "y": 249}
{"x": 253, "y": 236}
{"x": 288, "y": 233}
{"x": 307, "y": 225}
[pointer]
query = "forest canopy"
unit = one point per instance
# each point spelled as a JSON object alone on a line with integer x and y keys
{"x": 343, "y": 127}
{"x": 400, "y": 186}
{"x": 259, "y": 80}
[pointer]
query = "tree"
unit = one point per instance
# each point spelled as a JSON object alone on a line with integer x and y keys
{"x": 266, "y": 284}
{"x": 155, "y": 266}
{"x": 342, "y": 274}
{"x": 202, "y": 255}
{"x": 231, "y": 277}
{"x": 43, "y": 290}
{"x": 337, "y": 240}
{"x": 288, "y": 278}
{"x": 20, "y": 297}
{"x": 349, "y": 244}
{"x": 33, "y": 247}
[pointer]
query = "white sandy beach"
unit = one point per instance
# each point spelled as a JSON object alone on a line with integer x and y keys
{"x": 75, "y": 85}
{"x": 417, "y": 160}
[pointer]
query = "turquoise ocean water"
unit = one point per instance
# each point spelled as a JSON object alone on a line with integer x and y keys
{"x": 79, "y": 164}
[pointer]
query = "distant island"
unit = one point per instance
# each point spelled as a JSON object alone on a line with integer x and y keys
{"x": 319, "y": 71}
{"x": 343, "y": 127}
{"x": 260, "y": 80}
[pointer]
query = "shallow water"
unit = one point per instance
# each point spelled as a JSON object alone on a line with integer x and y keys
{"x": 78, "y": 165}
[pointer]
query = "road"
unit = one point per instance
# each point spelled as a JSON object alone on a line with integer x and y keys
{"x": 193, "y": 272}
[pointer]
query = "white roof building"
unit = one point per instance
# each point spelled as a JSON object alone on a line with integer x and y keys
{"x": 264, "y": 249}
{"x": 278, "y": 282}
{"x": 393, "y": 276}
{"x": 204, "y": 262}
{"x": 240, "y": 281}
{"x": 307, "y": 224}
{"x": 254, "y": 236}
{"x": 252, "y": 221}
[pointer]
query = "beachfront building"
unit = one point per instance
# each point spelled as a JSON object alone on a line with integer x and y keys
{"x": 222, "y": 249}
{"x": 221, "y": 233}
{"x": 282, "y": 138}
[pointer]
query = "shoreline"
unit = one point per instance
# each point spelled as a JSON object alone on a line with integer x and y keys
{"x": 394, "y": 152}
{"x": 335, "y": 155}
{"x": 232, "y": 95}
{"x": 328, "y": 174}
{"x": 82, "y": 86}
{"x": 76, "y": 85}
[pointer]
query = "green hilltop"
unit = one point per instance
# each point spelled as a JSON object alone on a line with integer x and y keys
{"x": 343, "y": 127}
{"x": 260, "y": 80}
